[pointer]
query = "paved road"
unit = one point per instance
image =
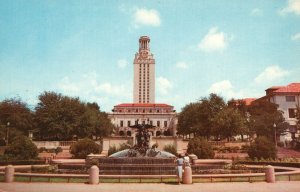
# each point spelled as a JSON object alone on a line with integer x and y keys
{"x": 121, "y": 187}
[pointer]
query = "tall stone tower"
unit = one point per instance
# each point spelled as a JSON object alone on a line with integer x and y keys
{"x": 144, "y": 73}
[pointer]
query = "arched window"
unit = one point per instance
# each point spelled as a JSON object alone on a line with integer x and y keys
{"x": 128, "y": 133}
{"x": 158, "y": 133}
{"x": 121, "y": 133}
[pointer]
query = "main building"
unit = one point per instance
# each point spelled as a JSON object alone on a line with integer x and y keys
{"x": 144, "y": 110}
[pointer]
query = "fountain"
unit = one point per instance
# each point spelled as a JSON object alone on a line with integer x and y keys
{"x": 139, "y": 159}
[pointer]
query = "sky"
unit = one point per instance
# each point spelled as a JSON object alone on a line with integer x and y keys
{"x": 86, "y": 48}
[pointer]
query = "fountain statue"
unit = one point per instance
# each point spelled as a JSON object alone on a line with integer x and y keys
{"x": 142, "y": 147}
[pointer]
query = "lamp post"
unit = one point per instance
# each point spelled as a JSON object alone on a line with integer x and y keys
{"x": 275, "y": 136}
{"x": 7, "y": 132}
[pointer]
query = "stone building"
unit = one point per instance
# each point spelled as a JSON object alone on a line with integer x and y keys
{"x": 144, "y": 110}
{"x": 287, "y": 98}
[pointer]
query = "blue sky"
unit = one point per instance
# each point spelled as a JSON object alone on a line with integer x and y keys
{"x": 86, "y": 48}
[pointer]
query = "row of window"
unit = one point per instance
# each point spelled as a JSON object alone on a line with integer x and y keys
{"x": 143, "y": 111}
{"x": 290, "y": 98}
{"x": 143, "y": 122}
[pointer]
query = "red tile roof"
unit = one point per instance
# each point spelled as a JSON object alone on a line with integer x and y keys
{"x": 143, "y": 105}
{"x": 248, "y": 101}
{"x": 291, "y": 88}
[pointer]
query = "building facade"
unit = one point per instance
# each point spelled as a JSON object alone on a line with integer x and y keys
{"x": 161, "y": 116}
{"x": 287, "y": 98}
{"x": 144, "y": 110}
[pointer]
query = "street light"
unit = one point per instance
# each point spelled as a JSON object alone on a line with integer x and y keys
{"x": 274, "y": 125}
{"x": 7, "y": 132}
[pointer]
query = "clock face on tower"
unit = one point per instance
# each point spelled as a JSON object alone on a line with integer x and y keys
{"x": 144, "y": 54}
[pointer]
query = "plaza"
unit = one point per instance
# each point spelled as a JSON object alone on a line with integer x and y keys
{"x": 132, "y": 187}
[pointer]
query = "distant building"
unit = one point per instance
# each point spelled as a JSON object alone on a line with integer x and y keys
{"x": 287, "y": 98}
{"x": 144, "y": 110}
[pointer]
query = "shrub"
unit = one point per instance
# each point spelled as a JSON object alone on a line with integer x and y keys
{"x": 262, "y": 148}
{"x": 280, "y": 144}
{"x": 42, "y": 149}
{"x": 21, "y": 148}
{"x": 58, "y": 150}
{"x": 112, "y": 150}
{"x": 83, "y": 147}
{"x": 201, "y": 148}
{"x": 170, "y": 149}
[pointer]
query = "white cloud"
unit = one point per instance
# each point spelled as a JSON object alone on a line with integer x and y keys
{"x": 182, "y": 65}
{"x": 292, "y": 7}
{"x": 256, "y": 12}
{"x": 271, "y": 74}
{"x": 122, "y": 63}
{"x": 67, "y": 86}
{"x": 214, "y": 41}
{"x": 296, "y": 37}
{"x": 219, "y": 87}
{"x": 148, "y": 17}
{"x": 226, "y": 89}
{"x": 90, "y": 90}
{"x": 163, "y": 85}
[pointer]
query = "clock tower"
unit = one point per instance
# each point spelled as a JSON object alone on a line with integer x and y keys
{"x": 144, "y": 73}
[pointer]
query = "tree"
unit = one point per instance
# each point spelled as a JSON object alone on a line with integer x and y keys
{"x": 197, "y": 118}
{"x": 58, "y": 116}
{"x": 21, "y": 148}
{"x": 200, "y": 147}
{"x": 17, "y": 113}
{"x": 263, "y": 116}
{"x": 94, "y": 122}
{"x": 228, "y": 122}
{"x": 262, "y": 147}
{"x": 84, "y": 147}
{"x": 298, "y": 116}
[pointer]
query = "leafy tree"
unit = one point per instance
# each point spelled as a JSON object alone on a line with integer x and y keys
{"x": 263, "y": 116}
{"x": 200, "y": 147}
{"x": 228, "y": 122}
{"x": 21, "y": 148}
{"x": 298, "y": 116}
{"x": 58, "y": 116}
{"x": 262, "y": 147}
{"x": 17, "y": 114}
{"x": 84, "y": 147}
{"x": 197, "y": 118}
{"x": 61, "y": 117}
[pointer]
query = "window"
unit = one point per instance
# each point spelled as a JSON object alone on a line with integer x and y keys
{"x": 143, "y": 122}
{"x": 165, "y": 124}
{"x": 137, "y": 109}
{"x": 121, "y": 123}
{"x": 157, "y": 110}
{"x": 290, "y": 98}
{"x": 128, "y": 123}
{"x": 292, "y": 113}
{"x": 158, "y": 124}
{"x": 150, "y": 110}
{"x": 151, "y": 122}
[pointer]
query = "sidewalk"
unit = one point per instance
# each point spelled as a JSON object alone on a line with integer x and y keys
{"x": 122, "y": 187}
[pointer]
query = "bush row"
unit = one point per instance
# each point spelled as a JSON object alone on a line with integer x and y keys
{"x": 4, "y": 162}
{"x": 54, "y": 150}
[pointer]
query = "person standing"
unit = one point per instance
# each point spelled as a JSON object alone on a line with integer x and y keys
{"x": 179, "y": 161}
{"x": 186, "y": 159}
